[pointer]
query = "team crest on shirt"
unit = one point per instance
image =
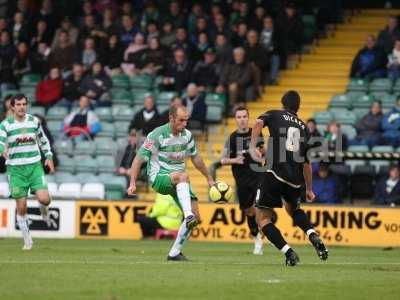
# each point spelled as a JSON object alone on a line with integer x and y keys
{"x": 148, "y": 144}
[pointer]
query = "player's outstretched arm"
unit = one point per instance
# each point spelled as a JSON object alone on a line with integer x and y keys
{"x": 200, "y": 165}
{"x": 307, "y": 171}
{"x": 135, "y": 170}
{"x": 255, "y": 135}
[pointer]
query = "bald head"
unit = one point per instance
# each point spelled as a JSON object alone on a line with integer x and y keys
{"x": 178, "y": 118}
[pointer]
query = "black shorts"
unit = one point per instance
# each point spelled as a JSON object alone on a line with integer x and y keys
{"x": 271, "y": 192}
{"x": 246, "y": 195}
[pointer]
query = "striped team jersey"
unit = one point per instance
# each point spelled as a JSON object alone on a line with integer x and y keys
{"x": 23, "y": 141}
{"x": 166, "y": 153}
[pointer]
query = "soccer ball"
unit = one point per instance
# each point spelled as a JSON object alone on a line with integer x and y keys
{"x": 220, "y": 192}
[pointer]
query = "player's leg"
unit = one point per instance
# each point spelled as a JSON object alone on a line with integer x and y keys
{"x": 38, "y": 185}
{"x": 44, "y": 200}
{"x": 181, "y": 182}
{"x": 301, "y": 220}
{"x": 22, "y": 221}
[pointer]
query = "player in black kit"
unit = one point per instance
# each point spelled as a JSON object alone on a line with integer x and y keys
{"x": 287, "y": 171}
{"x": 236, "y": 154}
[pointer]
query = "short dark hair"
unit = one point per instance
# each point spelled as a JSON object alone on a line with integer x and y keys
{"x": 18, "y": 97}
{"x": 312, "y": 121}
{"x": 291, "y": 101}
{"x": 241, "y": 108}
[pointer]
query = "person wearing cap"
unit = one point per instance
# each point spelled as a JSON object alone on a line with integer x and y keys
{"x": 205, "y": 74}
{"x": 326, "y": 186}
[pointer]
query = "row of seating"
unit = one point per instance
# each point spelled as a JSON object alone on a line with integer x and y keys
{"x": 376, "y": 85}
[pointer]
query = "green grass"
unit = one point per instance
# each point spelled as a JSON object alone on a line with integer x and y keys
{"x": 111, "y": 270}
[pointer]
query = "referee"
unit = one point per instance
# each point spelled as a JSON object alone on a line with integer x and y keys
{"x": 236, "y": 154}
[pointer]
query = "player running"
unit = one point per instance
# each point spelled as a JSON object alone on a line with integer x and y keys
{"x": 165, "y": 150}
{"x": 236, "y": 154}
{"x": 21, "y": 139}
{"x": 288, "y": 169}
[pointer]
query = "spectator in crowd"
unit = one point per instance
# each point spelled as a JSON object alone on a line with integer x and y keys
{"x": 96, "y": 85}
{"x": 272, "y": 41}
{"x": 258, "y": 56}
{"x": 62, "y": 56}
{"x": 72, "y": 86}
{"x": 40, "y": 59}
{"x": 152, "y": 31}
{"x": 41, "y": 35}
{"x": 312, "y": 128}
{"x": 237, "y": 78}
{"x": 19, "y": 29}
{"x": 134, "y": 56}
{"x": 387, "y": 191}
{"x": 165, "y": 214}
{"x": 182, "y": 42}
{"x": 334, "y": 138}
{"x": 108, "y": 26}
{"x": 129, "y": 154}
{"x": 326, "y": 186}
{"x": 223, "y": 52}
{"x": 201, "y": 27}
{"x": 49, "y": 90}
{"x": 22, "y": 63}
{"x": 146, "y": 119}
{"x": 92, "y": 30}
{"x": 196, "y": 106}
{"x": 7, "y": 108}
{"x": 150, "y": 14}
{"x": 257, "y": 22}
{"x": 201, "y": 46}
{"x": 49, "y": 136}
{"x": 114, "y": 56}
{"x": 389, "y": 35}
{"x": 168, "y": 36}
{"x": 205, "y": 72}
{"x": 369, "y": 62}
{"x": 369, "y": 127}
{"x": 164, "y": 117}
{"x": 393, "y": 65}
{"x": 175, "y": 15}
{"x": 66, "y": 26}
{"x": 88, "y": 55}
{"x": 178, "y": 72}
{"x": 391, "y": 126}
{"x": 154, "y": 60}
{"x": 239, "y": 35}
{"x": 48, "y": 15}
{"x": 219, "y": 26}
{"x": 127, "y": 31}
{"x": 82, "y": 123}
{"x": 292, "y": 29}
{"x": 7, "y": 54}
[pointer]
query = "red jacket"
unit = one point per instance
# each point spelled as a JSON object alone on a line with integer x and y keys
{"x": 49, "y": 91}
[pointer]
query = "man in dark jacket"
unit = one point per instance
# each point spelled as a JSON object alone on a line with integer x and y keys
{"x": 369, "y": 127}
{"x": 205, "y": 72}
{"x": 63, "y": 55}
{"x": 72, "y": 85}
{"x": 146, "y": 119}
{"x": 387, "y": 191}
{"x": 196, "y": 106}
{"x": 7, "y": 54}
{"x": 326, "y": 186}
{"x": 370, "y": 61}
{"x": 389, "y": 35}
{"x": 178, "y": 72}
{"x": 257, "y": 54}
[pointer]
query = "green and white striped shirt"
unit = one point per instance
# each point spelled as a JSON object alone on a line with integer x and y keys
{"x": 22, "y": 140}
{"x": 166, "y": 153}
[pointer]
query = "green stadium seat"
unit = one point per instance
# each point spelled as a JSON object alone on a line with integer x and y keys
{"x": 66, "y": 164}
{"x": 139, "y": 95}
{"x": 37, "y": 110}
{"x": 126, "y": 114}
{"x": 87, "y": 177}
{"x": 142, "y": 82}
{"x": 162, "y": 108}
{"x": 358, "y": 148}
{"x": 381, "y": 85}
{"x": 157, "y": 82}
{"x": 165, "y": 97}
{"x": 379, "y": 164}
{"x": 64, "y": 177}
{"x": 363, "y": 102}
{"x": 349, "y": 131}
{"x": 104, "y": 114}
{"x": 396, "y": 87}
{"x": 378, "y": 95}
{"x": 388, "y": 101}
{"x": 214, "y": 114}
{"x": 11, "y": 92}
{"x": 63, "y": 147}
{"x": 85, "y": 163}
{"x": 107, "y": 130}
{"x": 120, "y": 81}
{"x": 360, "y": 112}
{"x": 340, "y": 101}
{"x": 353, "y": 163}
{"x": 355, "y": 95}
{"x": 56, "y": 113}
{"x": 309, "y": 29}
{"x": 121, "y": 129}
{"x": 55, "y": 128}
{"x": 106, "y": 164}
{"x": 357, "y": 85}
{"x": 105, "y": 146}
{"x": 323, "y": 117}
{"x": 30, "y": 80}
{"x": 383, "y": 148}
{"x": 119, "y": 96}
{"x": 115, "y": 185}
{"x": 347, "y": 117}
{"x": 215, "y": 99}
{"x": 85, "y": 148}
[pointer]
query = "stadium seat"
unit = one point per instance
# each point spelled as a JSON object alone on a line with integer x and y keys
{"x": 396, "y": 87}
{"x": 165, "y": 97}
{"x": 3, "y": 178}
{"x": 120, "y": 81}
{"x": 321, "y": 128}
{"x": 141, "y": 82}
{"x": 30, "y": 93}
{"x": 4, "y": 190}
{"x": 93, "y": 191}
{"x": 378, "y": 95}
{"x": 380, "y": 85}
{"x": 66, "y": 164}
{"x": 69, "y": 190}
{"x": 216, "y": 99}
{"x": 353, "y": 163}
{"x": 382, "y": 149}
{"x": 85, "y": 177}
{"x": 310, "y": 28}
{"x": 138, "y": 96}
{"x": 106, "y": 164}
{"x": 340, "y": 101}
{"x": 126, "y": 114}
{"x": 162, "y": 108}
{"x": 357, "y": 85}
{"x": 64, "y": 177}
{"x": 105, "y": 146}
{"x": 346, "y": 117}
{"x": 360, "y": 112}
{"x": 49, "y": 178}
{"x": 85, "y": 148}
{"x": 63, "y": 147}
{"x": 380, "y": 165}
{"x": 214, "y": 114}
{"x": 349, "y": 131}
{"x": 104, "y": 114}
{"x": 323, "y": 117}
{"x": 55, "y": 127}
{"x": 121, "y": 129}
{"x": 56, "y": 113}
{"x": 115, "y": 185}
{"x": 85, "y": 163}
{"x": 119, "y": 96}
{"x": 30, "y": 80}
{"x": 364, "y": 101}
{"x": 53, "y": 189}
{"x": 358, "y": 148}
{"x": 37, "y": 110}
{"x": 107, "y": 130}
{"x": 388, "y": 101}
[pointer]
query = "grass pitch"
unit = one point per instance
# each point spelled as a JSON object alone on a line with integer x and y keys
{"x": 114, "y": 270}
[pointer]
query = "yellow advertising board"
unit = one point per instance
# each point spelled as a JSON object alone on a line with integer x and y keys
{"x": 337, "y": 225}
